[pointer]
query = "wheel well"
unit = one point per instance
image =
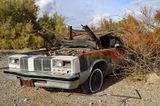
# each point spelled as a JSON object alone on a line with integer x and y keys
{"x": 102, "y": 65}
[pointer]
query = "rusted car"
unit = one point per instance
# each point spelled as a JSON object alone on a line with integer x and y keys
{"x": 77, "y": 62}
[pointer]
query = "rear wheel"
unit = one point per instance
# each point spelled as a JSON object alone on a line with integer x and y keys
{"x": 94, "y": 82}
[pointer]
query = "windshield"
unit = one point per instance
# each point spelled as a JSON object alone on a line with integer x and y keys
{"x": 80, "y": 43}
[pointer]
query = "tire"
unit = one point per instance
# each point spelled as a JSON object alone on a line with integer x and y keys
{"x": 94, "y": 82}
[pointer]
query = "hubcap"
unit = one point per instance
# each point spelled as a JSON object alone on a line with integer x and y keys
{"x": 96, "y": 80}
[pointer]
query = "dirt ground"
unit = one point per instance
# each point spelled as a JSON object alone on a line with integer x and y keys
{"x": 11, "y": 94}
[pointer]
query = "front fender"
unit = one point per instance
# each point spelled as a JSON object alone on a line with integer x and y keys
{"x": 85, "y": 74}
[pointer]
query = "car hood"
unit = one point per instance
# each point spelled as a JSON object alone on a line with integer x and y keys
{"x": 70, "y": 51}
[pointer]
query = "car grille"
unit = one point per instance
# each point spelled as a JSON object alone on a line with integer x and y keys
{"x": 46, "y": 65}
{"x": 37, "y": 64}
{"x": 42, "y": 64}
{"x": 24, "y": 63}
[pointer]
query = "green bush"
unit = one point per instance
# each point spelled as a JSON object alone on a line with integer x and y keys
{"x": 20, "y": 29}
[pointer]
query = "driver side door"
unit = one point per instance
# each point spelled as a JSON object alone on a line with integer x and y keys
{"x": 118, "y": 51}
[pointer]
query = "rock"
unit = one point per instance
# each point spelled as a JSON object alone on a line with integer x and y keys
{"x": 26, "y": 99}
{"x": 37, "y": 88}
{"x": 15, "y": 105}
{"x": 91, "y": 103}
{"x": 152, "y": 78}
{"x": 14, "y": 100}
{"x": 100, "y": 101}
{"x": 50, "y": 102}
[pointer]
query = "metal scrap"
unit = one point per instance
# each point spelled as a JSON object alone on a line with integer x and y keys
{"x": 123, "y": 96}
{"x": 27, "y": 83}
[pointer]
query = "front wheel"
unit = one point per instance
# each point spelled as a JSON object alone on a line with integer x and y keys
{"x": 94, "y": 82}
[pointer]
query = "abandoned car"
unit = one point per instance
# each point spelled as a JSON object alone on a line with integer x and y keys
{"x": 77, "y": 62}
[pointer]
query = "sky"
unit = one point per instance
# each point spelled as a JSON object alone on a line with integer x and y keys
{"x": 77, "y": 12}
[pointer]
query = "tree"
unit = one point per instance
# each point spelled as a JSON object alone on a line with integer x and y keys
{"x": 17, "y": 19}
{"x": 108, "y": 24}
{"x": 18, "y": 10}
{"x": 53, "y": 26}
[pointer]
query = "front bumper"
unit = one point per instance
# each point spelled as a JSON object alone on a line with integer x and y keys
{"x": 45, "y": 79}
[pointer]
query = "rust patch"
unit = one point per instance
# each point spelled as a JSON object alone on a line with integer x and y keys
{"x": 27, "y": 83}
{"x": 113, "y": 53}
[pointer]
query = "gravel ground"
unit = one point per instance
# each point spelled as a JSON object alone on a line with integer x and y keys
{"x": 11, "y": 94}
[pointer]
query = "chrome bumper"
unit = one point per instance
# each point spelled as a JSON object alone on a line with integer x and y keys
{"x": 45, "y": 79}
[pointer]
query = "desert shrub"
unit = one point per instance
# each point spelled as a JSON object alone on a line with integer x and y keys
{"x": 157, "y": 16}
{"x": 142, "y": 35}
{"x": 144, "y": 38}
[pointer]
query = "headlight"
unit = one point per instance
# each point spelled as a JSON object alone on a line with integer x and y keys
{"x": 60, "y": 63}
{"x": 13, "y": 61}
{"x": 61, "y": 67}
{"x": 57, "y": 63}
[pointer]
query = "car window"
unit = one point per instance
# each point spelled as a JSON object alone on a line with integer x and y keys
{"x": 112, "y": 43}
{"x": 119, "y": 43}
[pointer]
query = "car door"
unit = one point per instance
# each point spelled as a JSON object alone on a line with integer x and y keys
{"x": 118, "y": 51}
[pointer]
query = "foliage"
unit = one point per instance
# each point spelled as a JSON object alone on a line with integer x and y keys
{"x": 108, "y": 25}
{"x": 18, "y": 10}
{"x": 19, "y": 27}
{"x": 129, "y": 24}
{"x": 142, "y": 35}
{"x": 53, "y": 26}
